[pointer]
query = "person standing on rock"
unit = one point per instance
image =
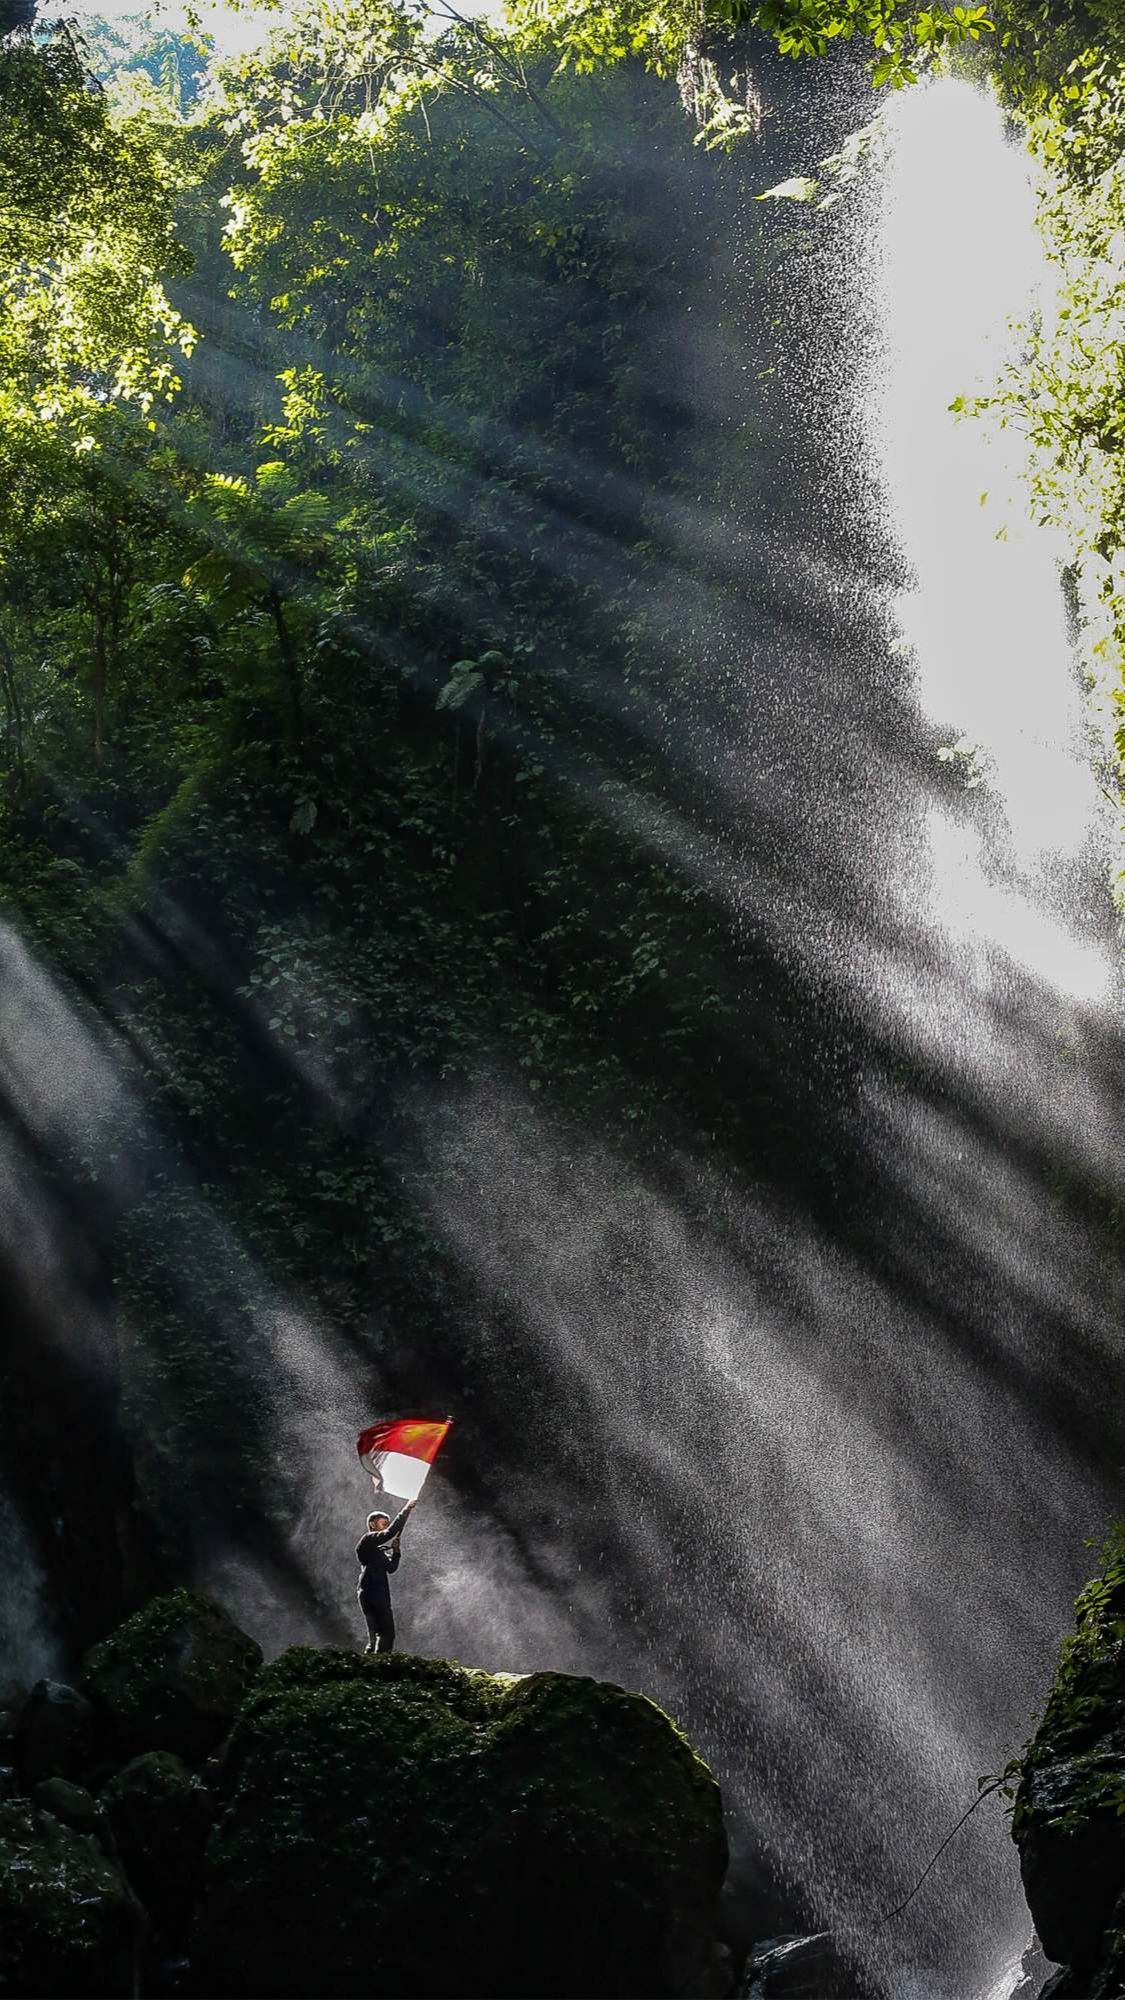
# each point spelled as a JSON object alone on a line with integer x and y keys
{"x": 378, "y": 1555}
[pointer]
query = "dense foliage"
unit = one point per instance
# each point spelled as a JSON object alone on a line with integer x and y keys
{"x": 1068, "y": 396}
{"x": 331, "y": 684}
{"x": 87, "y": 244}
{"x": 405, "y": 553}
{"x": 136, "y": 57}
{"x": 345, "y": 464}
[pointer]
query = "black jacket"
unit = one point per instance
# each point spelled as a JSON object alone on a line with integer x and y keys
{"x": 378, "y": 1559}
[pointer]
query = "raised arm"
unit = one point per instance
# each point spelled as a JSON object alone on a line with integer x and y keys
{"x": 386, "y": 1535}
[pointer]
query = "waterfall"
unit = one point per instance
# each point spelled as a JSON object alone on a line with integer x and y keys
{"x": 28, "y": 1643}
{"x": 804, "y": 1437}
{"x": 984, "y": 617}
{"x": 855, "y": 1453}
{"x": 1006, "y": 882}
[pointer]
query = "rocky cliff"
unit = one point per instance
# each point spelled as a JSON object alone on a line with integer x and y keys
{"x": 1069, "y": 1818}
{"x": 190, "y": 1823}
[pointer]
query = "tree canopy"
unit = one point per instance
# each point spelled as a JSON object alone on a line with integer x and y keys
{"x": 359, "y": 521}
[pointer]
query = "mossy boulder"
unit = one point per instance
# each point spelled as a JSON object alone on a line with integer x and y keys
{"x": 55, "y": 1733}
{"x": 395, "y": 1826}
{"x": 159, "y": 1814}
{"x": 67, "y": 1924}
{"x": 1069, "y": 1817}
{"x": 172, "y": 1677}
{"x": 73, "y": 1804}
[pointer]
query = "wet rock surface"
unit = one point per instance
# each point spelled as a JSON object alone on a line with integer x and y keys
{"x": 1069, "y": 1817}
{"x": 172, "y": 1677}
{"x": 1072, "y": 1845}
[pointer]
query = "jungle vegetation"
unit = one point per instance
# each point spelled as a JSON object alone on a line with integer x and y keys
{"x": 342, "y": 449}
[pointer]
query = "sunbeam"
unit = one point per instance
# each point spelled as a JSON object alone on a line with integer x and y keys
{"x": 555, "y": 870}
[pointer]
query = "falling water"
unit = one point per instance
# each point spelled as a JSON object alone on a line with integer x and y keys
{"x": 819, "y": 1482}
{"x": 1013, "y": 890}
{"x": 842, "y": 1457}
{"x": 28, "y": 1646}
{"x": 816, "y": 1474}
{"x": 984, "y": 614}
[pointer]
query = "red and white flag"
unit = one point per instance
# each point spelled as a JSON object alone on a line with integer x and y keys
{"x": 399, "y": 1455}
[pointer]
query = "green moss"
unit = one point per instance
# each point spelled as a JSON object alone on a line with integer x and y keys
{"x": 408, "y": 1826}
{"x": 1087, "y": 1696}
{"x": 173, "y": 1676}
{"x": 66, "y": 1922}
{"x": 1069, "y": 1817}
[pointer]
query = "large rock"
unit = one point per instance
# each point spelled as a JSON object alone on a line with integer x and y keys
{"x": 159, "y": 1815}
{"x": 394, "y": 1826}
{"x": 67, "y": 1924}
{"x": 1069, "y": 1817}
{"x": 55, "y": 1733}
{"x": 73, "y": 1804}
{"x": 172, "y": 1677}
{"x": 1062, "y": 1985}
{"x": 1108, "y": 1980}
{"x": 1108, "y": 1983}
{"x": 1072, "y": 1846}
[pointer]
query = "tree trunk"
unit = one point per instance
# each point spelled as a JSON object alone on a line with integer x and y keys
{"x": 13, "y": 729}
{"x": 290, "y": 664}
{"x": 100, "y": 666}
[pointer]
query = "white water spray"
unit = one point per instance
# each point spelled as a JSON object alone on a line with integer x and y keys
{"x": 840, "y": 1472}
{"x": 959, "y": 259}
{"x": 835, "y": 1472}
{"x": 890, "y": 1534}
{"x": 959, "y": 265}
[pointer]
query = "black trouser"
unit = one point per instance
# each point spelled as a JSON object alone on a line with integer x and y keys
{"x": 380, "y": 1623}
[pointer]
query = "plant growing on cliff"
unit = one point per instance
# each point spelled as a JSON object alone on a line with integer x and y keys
{"x": 1067, "y": 394}
{"x": 904, "y": 36}
{"x": 1087, "y": 1688}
